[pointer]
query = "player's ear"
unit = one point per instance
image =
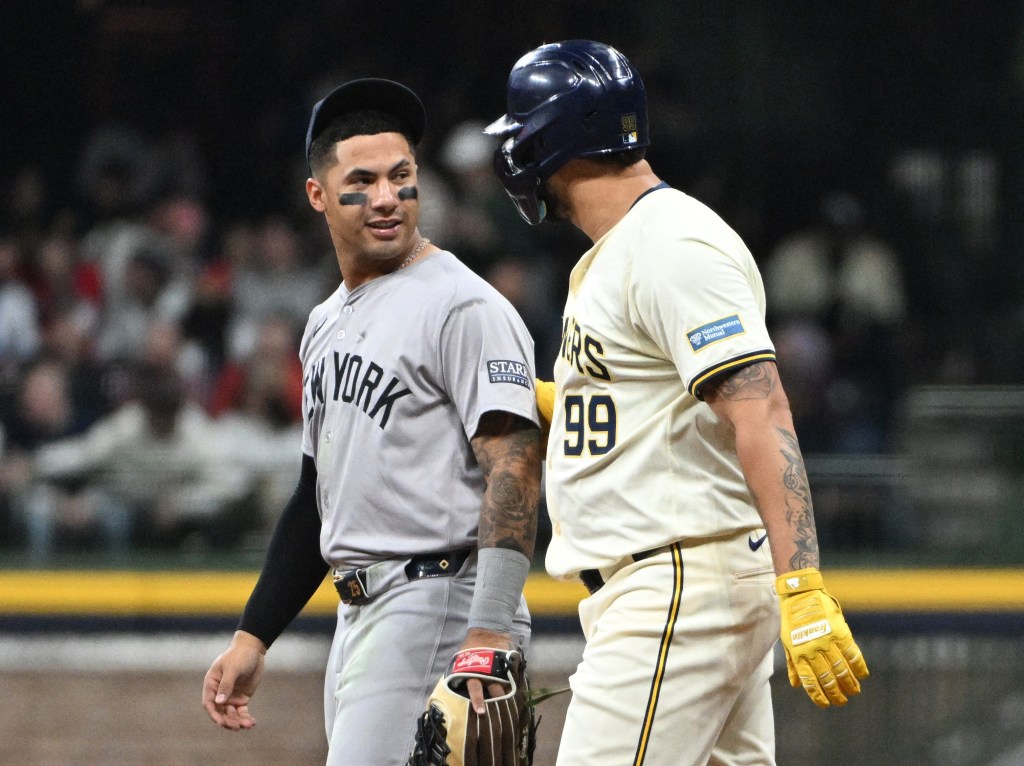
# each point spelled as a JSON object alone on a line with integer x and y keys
{"x": 315, "y": 192}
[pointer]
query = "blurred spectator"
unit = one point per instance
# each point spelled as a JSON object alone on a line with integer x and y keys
{"x": 526, "y": 289}
{"x": 469, "y": 227}
{"x": 273, "y": 279}
{"x": 836, "y": 271}
{"x": 45, "y": 411}
{"x": 947, "y": 207}
{"x": 184, "y": 223}
{"x": 207, "y": 320}
{"x": 480, "y": 226}
{"x": 117, "y": 181}
{"x": 437, "y": 204}
{"x": 836, "y": 275}
{"x": 19, "y": 320}
{"x": 70, "y": 340}
{"x": 151, "y": 294}
{"x": 60, "y": 280}
{"x": 490, "y": 237}
{"x": 804, "y": 352}
{"x": 258, "y": 404}
{"x": 268, "y": 383}
{"x": 115, "y": 173}
{"x": 25, "y": 205}
{"x": 165, "y": 346}
{"x": 155, "y": 468}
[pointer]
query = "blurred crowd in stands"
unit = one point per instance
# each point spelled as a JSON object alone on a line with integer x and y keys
{"x": 150, "y": 389}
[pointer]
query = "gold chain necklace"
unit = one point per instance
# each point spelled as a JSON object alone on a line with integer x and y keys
{"x": 412, "y": 256}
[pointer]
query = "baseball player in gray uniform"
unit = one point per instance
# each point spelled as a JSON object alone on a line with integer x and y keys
{"x": 675, "y": 484}
{"x": 421, "y": 457}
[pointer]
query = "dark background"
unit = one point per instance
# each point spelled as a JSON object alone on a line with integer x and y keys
{"x": 761, "y": 109}
{"x": 758, "y": 108}
{"x": 781, "y": 101}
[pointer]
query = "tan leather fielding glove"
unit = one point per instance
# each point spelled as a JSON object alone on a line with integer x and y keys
{"x": 545, "y": 390}
{"x": 450, "y": 733}
{"x": 821, "y": 654}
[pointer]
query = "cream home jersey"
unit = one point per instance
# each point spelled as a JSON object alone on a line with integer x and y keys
{"x": 397, "y": 375}
{"x": 668, "y": 299}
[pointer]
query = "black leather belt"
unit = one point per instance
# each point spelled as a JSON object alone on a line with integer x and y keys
{"x": 353, "y": 587}
{"x": 593, "y": 580}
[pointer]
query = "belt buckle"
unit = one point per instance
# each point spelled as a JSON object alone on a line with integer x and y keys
{"x": 436, "y": 565}
{"x": 351, "y": 587}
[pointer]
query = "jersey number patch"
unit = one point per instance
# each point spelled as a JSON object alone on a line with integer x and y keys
{"x": 589, "y": 424}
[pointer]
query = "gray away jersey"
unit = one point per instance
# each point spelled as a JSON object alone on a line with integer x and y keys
{"x": 397, "y": 374}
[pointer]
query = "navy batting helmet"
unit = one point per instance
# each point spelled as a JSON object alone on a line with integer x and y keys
{"x": 576, "y": 98}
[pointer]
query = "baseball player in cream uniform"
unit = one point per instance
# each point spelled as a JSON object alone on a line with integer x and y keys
{"x": 671, "y": 456}
{"x": 637, "y": 463}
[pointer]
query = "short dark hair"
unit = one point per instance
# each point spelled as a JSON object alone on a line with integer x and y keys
{"x": 360, "y": 122}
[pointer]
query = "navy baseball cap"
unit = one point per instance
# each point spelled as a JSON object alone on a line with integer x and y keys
{"x": 369, "y": 93}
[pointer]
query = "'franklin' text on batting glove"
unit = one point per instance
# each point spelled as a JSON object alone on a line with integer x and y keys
{"x": 821, "y": 654}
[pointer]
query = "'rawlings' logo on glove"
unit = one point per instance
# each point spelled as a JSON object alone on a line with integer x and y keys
{"x": 474, "y": 661}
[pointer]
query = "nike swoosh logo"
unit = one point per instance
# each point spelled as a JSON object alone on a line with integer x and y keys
{"x": 318, "y": 327}
{"x": 755, "y": 544}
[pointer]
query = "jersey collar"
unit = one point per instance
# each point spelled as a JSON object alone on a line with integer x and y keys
{"x": 662, "y": 185}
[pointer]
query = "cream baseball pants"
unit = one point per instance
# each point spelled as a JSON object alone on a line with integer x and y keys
{"x": 677, "y": 660}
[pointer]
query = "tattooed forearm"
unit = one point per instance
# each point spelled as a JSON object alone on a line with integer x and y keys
{"x": 799, "y": 509}
{"x": 755, "y": 381}
{"x": 511, "y": 466}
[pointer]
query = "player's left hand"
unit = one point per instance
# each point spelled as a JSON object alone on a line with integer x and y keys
{"x": 450, "y": 734}
{"x": 494, "y": 640}
{"x": 821, "y": 654}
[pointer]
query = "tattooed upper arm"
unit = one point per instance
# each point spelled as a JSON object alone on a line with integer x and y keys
{"x": 755, "y": 381}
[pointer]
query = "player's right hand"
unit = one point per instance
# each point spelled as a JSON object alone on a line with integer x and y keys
{"x": 545, "y": 399}
{"x": 821, "y": 654}
{"x": 232, "y": 680}
{"x": 545, "y": 390}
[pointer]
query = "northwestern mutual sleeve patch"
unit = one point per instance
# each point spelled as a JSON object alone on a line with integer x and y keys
{"x": 715, "y": 331}
{"x": 508, "y": 371}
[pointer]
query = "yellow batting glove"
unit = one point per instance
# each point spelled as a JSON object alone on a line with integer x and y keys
{"x": 545, "y": 399}
{"x": 821, "y": 654}
{"x": 545, "y": 390}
